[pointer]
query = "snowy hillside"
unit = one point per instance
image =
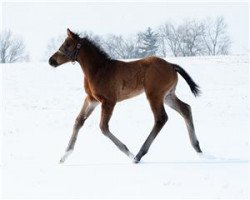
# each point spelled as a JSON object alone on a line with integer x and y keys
{"x": 40, "y": 105}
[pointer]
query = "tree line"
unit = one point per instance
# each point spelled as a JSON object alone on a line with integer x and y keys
{"x": 12, "y": 48}
{"x": 190, "y": 38}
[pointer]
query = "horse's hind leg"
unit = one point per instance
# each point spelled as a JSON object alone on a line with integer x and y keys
{"x": 88, "y": 107}
{"x": 185, "y": 111}
{"x": 160, "y": 117}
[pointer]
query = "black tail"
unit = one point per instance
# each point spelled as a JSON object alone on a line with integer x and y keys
{"x": 193, "y": 86}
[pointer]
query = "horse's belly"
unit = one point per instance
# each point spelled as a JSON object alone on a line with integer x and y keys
{"x": 126, "y": 94}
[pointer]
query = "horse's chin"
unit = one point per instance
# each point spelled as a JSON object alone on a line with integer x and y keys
{"x": 54, "y": 66}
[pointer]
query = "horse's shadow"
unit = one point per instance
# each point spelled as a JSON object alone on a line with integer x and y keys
{"x": 204, "y": 158}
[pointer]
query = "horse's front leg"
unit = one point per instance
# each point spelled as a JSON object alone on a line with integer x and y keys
{"x": 88, "y": 107}
{"x": 107, "y": 109}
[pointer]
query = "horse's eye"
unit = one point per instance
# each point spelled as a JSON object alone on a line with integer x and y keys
{"x": 67, "y": 45}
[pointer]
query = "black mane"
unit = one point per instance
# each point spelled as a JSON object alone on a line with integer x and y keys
{"x": 94, "y": 45}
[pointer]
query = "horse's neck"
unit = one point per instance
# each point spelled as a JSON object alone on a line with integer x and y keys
{"x": 89, "y": 65}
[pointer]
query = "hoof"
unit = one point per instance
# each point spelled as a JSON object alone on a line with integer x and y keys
{"x": 61, "y": 161}
{"x": 197, "y": 147}
{"x": 136, "y": 160}
{"x": 65, "y": 156}
{"x": 199, "y": 151}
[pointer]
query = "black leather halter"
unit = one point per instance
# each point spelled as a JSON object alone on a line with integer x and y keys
{"x": 72, "y": 55}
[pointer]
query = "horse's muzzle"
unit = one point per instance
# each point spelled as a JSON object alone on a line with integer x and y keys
{"x": 53, "y": 62}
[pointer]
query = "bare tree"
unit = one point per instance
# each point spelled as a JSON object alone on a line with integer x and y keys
{"x": 12, "y": 48}
{"x": 118, "y": 47}
{"x": 183, "y": 40}
{"x": 191, "y": 43}
{"x": 215, "y": 38}
{"x": 194, "y": 37}
{"x": 162, "y": 47}
{"x": 170, "y": 39}
{"x": 113, "y": 45}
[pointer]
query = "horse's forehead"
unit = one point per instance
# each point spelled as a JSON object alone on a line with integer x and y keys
{"x": 69, "y": 40}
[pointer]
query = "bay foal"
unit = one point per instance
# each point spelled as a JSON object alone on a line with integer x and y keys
{"x": 108, "y": 81}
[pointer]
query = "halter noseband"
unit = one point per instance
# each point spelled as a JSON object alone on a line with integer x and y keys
{"x": 72, "y": 55}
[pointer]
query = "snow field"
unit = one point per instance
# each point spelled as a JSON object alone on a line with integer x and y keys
{"x": 40, "y": 105}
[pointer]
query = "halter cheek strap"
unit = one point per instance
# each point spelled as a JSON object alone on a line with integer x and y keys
{"x": 78, "y": 47}
{"x": 72, "y": 55}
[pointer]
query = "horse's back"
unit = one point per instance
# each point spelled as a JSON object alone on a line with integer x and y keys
{"x": 151, "y": 74}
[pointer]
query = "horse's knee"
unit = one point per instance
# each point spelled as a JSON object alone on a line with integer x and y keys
{"x": 162, "y": 119}
{"x": 187, "y": 110}
{"x": 104, "y": 128}
{"x": 79, "y": 122}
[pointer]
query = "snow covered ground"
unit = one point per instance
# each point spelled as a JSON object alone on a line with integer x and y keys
{"x": 39, "y": 108}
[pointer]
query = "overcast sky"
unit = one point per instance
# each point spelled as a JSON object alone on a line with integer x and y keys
{"x": 38, "y": 22}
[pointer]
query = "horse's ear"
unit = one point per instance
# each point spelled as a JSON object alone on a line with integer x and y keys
{"x": 69, "y": 33}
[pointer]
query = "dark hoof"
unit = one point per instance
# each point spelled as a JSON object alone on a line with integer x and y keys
{"x": 136, "y": 160}
{"x": 197, "y": 147}
{"x": 199, "y": 151}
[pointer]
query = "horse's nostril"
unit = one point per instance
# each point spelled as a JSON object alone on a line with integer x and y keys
{"x": 50, "y": 61}
{"x": 53, "y": 62}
